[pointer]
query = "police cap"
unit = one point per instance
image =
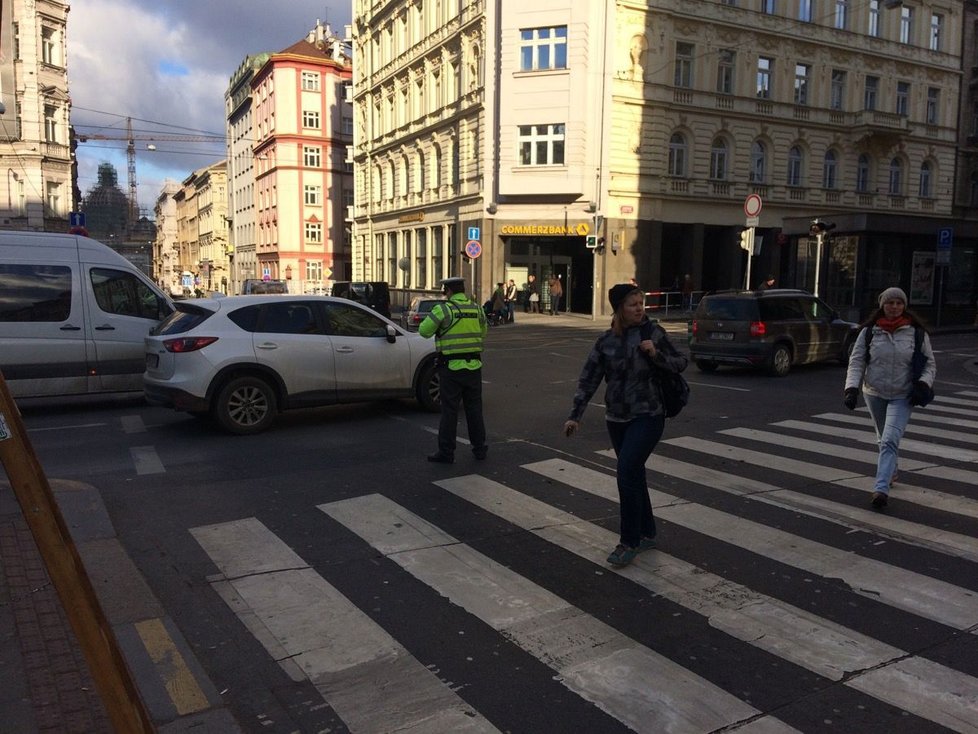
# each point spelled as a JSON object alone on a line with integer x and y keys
{"x": 455, "y": 285}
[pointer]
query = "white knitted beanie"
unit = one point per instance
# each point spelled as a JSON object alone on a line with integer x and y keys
{"x": 891, "y": 294}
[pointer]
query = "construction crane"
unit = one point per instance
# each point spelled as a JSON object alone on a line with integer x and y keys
{"x": 130, "y": 138}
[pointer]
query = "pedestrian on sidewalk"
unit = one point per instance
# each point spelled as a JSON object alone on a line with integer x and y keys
{"x": 556, "y": 292}
{"x": 510, "y": 296}
{"x": 533, "y": 295}
{"x": 882, "y": 361}
{"x": 634, "y": 415}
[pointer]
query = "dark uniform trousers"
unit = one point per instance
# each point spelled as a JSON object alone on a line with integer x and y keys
{"x": 465, "y": 387}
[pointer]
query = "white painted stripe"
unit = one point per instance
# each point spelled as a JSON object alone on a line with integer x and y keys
{"x": 954, "y": 400}
{"x": 364, "y": 674}
{"x": 936, "y": 407}
{"x": 954, "y": 544}
{"x": 66, "y": 428}
{"x": 146, "y": 460}
{"x": 639, "y": 687}
{"x": 969, "y": 393}
{"x": 906, "y": 444}
{"x": 132, "y": 424}
{"x": 793, "y": 634}
{"x": 897, "y": 587}
{"x": 817, "y": 472}
{"x": 913, "y": 428}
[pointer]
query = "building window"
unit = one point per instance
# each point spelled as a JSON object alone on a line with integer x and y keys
{"x": 313, "y": 194}
{"x": 837, "y": 100}
{"x": 768, "y": 7}
{"x": 725, "y": 71}
{"x": 933, "y": 103}
{"x": 765, "y": 69}
{"x": 829, "y": 170}
{"x": 543, "y": 48}
{"x": 794, "y": 166}
{"x": 311, "y": 156}
{"x": 314, "y": 233}
{"x": 347, "y": 124}
{"x": 677, "y": 155}
{"x": 925, "y": 181}
{"x": 906, "y": 24}
{"x": 842, "y": 14}
{"x": 802, "y": 73}
{"x": 862, "y": 174}
{"x": 53, "y": 197}
{"x": 758, "y": 162}
{"x": 51, "y": 123}
{"x": 314, "y": 269}
{"x": 871, "y": 92}
{"x": 310, "y": 120}
{"x": 902, "y": 99}
{"x": 541, "y": 145}
{"x": 805, "y": 11}
{"x": 684, "y": 65}
{"x": 896, "y": 177}
{"x": 718, "y": 160}
{"x": 873, "y": 29}
{"x": 310, "y": 81}
{"x": 49, "y": 47}
{"x": 936, "y": 32}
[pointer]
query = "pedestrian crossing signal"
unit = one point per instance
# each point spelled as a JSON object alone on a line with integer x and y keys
{"x": 591, "y": 241}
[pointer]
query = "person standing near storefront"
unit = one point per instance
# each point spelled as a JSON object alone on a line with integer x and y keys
{"x": 459, "y": 327}
{"x": 556, "y": 292}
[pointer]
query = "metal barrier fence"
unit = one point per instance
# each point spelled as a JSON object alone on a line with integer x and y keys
{"x": 662, "y": 302}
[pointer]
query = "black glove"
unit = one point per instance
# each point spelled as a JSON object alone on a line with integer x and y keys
{"x": 921, "y": 394}
{"x": 850, "y": 399}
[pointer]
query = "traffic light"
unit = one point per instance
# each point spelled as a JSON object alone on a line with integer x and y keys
{"x": 747, "y": 240}
{"x": 591, "y": 241}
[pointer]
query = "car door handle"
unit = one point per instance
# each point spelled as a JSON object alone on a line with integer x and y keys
{"x": 267, "y": 345}
{"x": 345, "y": 350}
{"x": 105, "y": 327}
{"x": 69, "y": 327}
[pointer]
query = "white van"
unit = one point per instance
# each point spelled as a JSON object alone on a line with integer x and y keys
{"x": 73, "y": 315}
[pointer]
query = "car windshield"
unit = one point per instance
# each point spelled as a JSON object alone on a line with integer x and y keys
{"x": 731, "y": 309}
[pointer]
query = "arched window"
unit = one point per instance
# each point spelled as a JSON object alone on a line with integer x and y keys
{"x": 794, "y": 166}
{"x": 862, "y": 174}
{"x": 758, "y": 162}
{"x": 829, "y": 170}
{"x": 896, "y": 177}
{"x": 419, "y": 172}
{"x": 718, "y": 160}
{"x": 389, "y": 188}
{"x": 677, "y": 155}
{"x": 403, "y": 171}
{"x": 924, "y": 191}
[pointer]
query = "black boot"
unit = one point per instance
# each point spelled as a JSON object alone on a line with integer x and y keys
{"x": 440, "y": 457}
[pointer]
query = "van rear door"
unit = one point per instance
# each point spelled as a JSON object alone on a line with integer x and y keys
{"x": 123, "y": 307}
{"x": 43, "y": 329}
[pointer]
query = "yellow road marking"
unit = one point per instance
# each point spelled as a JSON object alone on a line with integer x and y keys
{"x": 179, "y": 682}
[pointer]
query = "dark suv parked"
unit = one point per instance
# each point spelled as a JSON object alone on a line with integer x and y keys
{"x": 375, "y": 295}
{"x": 774, "y": 329}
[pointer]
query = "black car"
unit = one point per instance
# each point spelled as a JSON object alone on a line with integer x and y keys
{"x": 772, "y": 329}
{"x": 373, "y": 294}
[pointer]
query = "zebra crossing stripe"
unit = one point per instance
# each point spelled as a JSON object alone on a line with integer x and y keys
{"x": 956, "y": 400}
{"x": 907, "y": 590}
{"x": 942, "y": 541}
{"x": 364, "y": 674}
{"x": 641, "y": 688}
{"x": 887, "y": 673}
{"x": 910, "y": 445}
{"x": 913, "y": 428}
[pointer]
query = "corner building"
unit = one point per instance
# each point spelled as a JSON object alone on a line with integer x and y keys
{"x": 529, "y": 128}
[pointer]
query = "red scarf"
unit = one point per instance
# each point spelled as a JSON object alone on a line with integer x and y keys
{"x": 892, "y": 325}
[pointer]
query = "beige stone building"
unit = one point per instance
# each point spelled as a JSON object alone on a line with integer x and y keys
{"x": 530, "y": 127}
{"x": 167, "y": 267}
{"x": 37, "y": 186}
{"x": 202, "y": 228}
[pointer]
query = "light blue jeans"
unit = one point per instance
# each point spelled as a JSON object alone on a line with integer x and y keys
{"x": 890, "y": 417}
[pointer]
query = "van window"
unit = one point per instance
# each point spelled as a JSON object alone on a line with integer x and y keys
{"x": 122, "y": 293}
{"x": 35, "y": 292}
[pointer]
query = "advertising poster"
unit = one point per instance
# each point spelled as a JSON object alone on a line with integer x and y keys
{"x": 922, "y": 279}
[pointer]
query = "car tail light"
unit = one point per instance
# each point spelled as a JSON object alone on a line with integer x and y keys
{"x": 758, "y": 328}
{"x": 188, "y": 344}
{"x": 696, "y": 327}
{"x": 416, "y": 319}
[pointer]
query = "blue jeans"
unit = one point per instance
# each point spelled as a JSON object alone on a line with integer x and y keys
{"x": 633, "y": 443}
{"x": 890, "y": 417}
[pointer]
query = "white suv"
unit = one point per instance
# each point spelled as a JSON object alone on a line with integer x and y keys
{"x": 241, "y": 359}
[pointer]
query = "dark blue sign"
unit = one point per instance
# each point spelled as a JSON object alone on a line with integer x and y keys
{"x": 945, "y": 238}
{"x": 76, "y": 219}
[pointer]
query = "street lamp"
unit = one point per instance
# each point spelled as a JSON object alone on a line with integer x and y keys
{"x": 820, "y": 231}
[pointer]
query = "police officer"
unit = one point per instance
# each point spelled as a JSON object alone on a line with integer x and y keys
{"x": 459, "y": 327}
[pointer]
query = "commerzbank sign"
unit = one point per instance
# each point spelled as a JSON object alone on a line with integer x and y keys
{"x": 581, "y": 229}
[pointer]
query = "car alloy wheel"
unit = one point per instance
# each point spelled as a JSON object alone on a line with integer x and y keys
{"x": 780, "y": 361}
{"x": 245, "y": 405}
{"x": 428, "y": 390}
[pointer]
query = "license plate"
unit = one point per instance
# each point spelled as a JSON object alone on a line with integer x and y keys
{"x": 152, "y": 361}
{"x": 725, "y": 336}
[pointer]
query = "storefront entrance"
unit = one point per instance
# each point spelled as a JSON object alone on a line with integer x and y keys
{"x": 565, "y": 257}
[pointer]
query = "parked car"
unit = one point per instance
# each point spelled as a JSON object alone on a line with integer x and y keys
{"x": 242, "y": 359}
{"x": 73, "y": 315}
{"x": 259, "y": 287}
{"x": 417, "y": 311}
{"x": 773, "y": 329}
{"x": 375, "y": 294}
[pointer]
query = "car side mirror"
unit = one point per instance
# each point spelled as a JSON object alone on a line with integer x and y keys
{"x": 391, "y": 333}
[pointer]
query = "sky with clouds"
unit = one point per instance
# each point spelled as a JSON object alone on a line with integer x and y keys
{"x": 166, "y": 64}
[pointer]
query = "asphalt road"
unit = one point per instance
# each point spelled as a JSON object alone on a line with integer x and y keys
{"x": 324, "y": 576}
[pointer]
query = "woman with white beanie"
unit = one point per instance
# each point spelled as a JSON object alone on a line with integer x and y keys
{"x": 882, "y": 363}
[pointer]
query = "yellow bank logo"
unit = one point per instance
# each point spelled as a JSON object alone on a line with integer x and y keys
{"x": 581, "y": 229}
